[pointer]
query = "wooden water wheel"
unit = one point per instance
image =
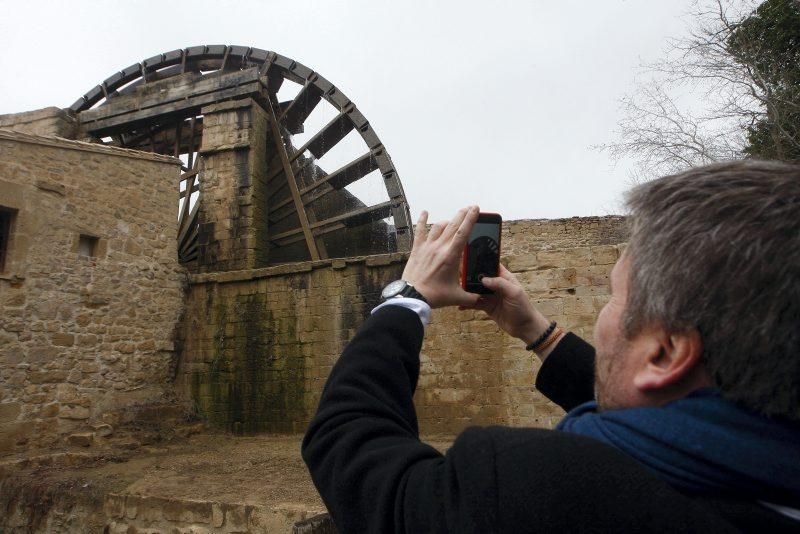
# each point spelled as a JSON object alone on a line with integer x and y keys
{"x": 315, "y": 208}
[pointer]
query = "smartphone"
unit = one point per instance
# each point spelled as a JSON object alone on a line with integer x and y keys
{"x": 481, "y": 253}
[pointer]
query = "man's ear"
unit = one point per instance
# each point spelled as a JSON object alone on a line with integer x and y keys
{"x": 676, "y": 357}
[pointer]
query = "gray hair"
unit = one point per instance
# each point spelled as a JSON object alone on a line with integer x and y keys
{"x": 717, "y": 248}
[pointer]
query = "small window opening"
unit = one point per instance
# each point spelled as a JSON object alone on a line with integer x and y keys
{"x": 6, "y": 217}
{"x": 87, "y": 246}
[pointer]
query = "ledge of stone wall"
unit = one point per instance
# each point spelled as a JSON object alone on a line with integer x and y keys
{"x": 377, "y": 260}
{"x": 59, "y": 142}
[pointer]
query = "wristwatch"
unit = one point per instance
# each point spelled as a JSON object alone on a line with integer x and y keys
{"x": 401, "y": 288}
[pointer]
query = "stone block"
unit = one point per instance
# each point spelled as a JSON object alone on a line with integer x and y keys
{"x": 47, "y": 377}
{"x": 264, "y": 521}
{"x": 43, "y": 353}
{"x": 237, "y": 517}
{"x": 74, "y": 412}
{"x": 50, "y": 410}
{"x": 607, "y": 255}
{"x": 87, "y": 340}
{"x": 522, "y": 262}
{"x": 217, "y": 515}
{"x": 9, "y": 412}
{"x": 146, "y": 345}
{"x": 187, "y": 511}
{"x": 60, "y": 339}
{"x": 114, "y": 506}
{"x": 578, "y": 305}
{"x": 15, "y": 299}
{"x": 102, "y": 429}
{"x": 12, "y": 434}
{"x": 131, "y": 507}
{"x": 82, "y": 439}
{"x": 148, "y": 509}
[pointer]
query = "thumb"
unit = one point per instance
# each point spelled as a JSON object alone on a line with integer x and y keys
{"x": 467, "y": 300}
{"x": 499, "y": 285}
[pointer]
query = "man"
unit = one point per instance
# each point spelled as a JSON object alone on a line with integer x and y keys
{"x": 696, "y": 422}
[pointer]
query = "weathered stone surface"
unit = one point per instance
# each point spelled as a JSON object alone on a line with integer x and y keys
{"x": 102, "y": 429}
{"x": 82, "y": 439}
{"x": 57, "y": 307}
{"x": 51, "y": 121}
{"x": 217, "y": 515}
{"x": 73, "y": 412}
{"x": 63, "y": 340}
{"x": 114, "y": 506}
{"x": 9, "y": 412}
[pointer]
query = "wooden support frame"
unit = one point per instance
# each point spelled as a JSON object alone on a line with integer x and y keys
{"x": 290, "y": 178}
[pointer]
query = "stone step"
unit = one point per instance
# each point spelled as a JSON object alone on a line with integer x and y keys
{"x": 132, "y": 514}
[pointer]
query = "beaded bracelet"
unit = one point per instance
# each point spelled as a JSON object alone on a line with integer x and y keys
{"x": 549, "y": 341}
{"x": 539, "y": 340}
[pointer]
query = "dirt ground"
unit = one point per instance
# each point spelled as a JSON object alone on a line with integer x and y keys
{"x": 262, "y": 470}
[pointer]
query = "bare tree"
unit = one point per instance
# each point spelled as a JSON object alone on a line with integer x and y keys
{"x": 699, "y": 103}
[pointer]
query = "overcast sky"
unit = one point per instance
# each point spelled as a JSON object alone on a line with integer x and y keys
{"x": 495, "y": 103}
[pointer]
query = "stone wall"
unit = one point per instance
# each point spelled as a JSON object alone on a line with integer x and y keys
{"x": 91, "y": 288}
{"x": 257, "y": 346}
{"x": 233, "y": 216}
{"x": 50, "y": 121}
{"x": 525, "y": 237}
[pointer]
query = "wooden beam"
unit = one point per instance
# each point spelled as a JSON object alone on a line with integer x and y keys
{"x": 169, "y": 90}
{"x": 191, "y": 151}
{"x": 290, "y": 178}
{"x": 189, "y": 106}
{"x": 162, "y": 138}
{"x": 195, "y": 189}
{"x": 349, "y": 173}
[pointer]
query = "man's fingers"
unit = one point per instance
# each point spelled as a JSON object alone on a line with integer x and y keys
{"x": 435, "y": 231}
{"x": 454, "y": 224}
{"x": 506, "y": 274}
{"x": 461, "y": 234}
{"x": 421, "y": 230}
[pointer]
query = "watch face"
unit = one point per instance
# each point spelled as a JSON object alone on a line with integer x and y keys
{"x": 393, "y": 289}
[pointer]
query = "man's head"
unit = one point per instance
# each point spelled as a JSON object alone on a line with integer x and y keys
{"x": 711, "y": 283}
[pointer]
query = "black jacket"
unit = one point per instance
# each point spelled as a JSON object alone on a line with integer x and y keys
{"x": 375, "y": 475}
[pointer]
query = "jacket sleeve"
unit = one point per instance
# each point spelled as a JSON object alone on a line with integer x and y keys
{"x": 567, "y": 374}
{"x": 363, "y": 449}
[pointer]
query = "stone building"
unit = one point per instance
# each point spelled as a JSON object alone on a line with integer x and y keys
{"x": 276, "y": 263}
{"x": 90, "y": 286}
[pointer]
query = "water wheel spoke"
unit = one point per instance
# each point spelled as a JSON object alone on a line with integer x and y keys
{"x": 195, "y": 189}
{"x": 346, "y": 175}
{"x": 301, "y": 107}
{"x": 349, "y": 173}
{"x": 352, "y": 218}
{"x": 320, "y": 143}
{"x": 329, "y": 136}
{"x": 187, "y": 224}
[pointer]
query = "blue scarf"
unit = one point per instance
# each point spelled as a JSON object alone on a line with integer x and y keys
{"x": 702, "y": 444}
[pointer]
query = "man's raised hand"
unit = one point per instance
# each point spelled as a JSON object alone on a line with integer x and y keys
{"x": 435, "y": 258}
